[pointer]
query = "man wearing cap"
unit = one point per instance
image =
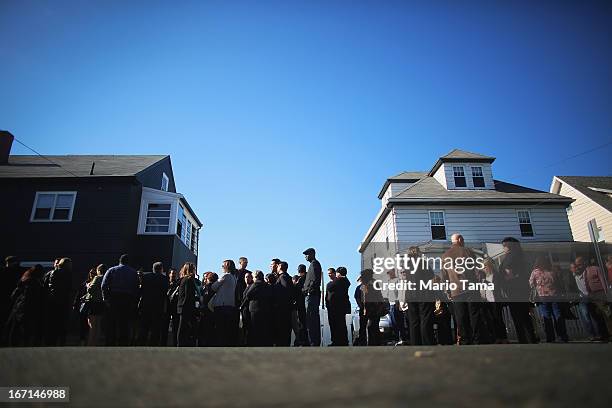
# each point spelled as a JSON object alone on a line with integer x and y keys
{"x": 312, "y": 291}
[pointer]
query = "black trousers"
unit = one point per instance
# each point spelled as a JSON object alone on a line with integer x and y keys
{"x": 494, "y": 318}
{"x": 259, "y": 330}
{"x": 149, "y": 330}
{"x": 337, "y": 327}
{"x": 374, "y": 337}
{"x": 469, "y": 319}
{"x": 282, "y": 317}
{"x": 119, "y": 314}
{"x": 523, "y": 324}
{"x": 226, "y": 325}
{"x": 186, "y": 330}
{"x": 420, "y": 318}
{"x": 206, "y": 329}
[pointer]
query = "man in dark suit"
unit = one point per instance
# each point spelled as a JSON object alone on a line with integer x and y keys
{"x": 312, "y": 292}
{"x": 58, "y": 295}
{"x": 285, "y": 301}
{"x": 301, "y": 338}
{"x": 257, "y": 302}
{"x": 153, "y": 292}
{"x": 338, "y": 306}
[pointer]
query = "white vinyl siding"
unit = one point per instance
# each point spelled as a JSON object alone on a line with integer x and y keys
{"x": 393, "y": 190}
{"x": 482, "y": 223}
{"x": 582, "y": 211}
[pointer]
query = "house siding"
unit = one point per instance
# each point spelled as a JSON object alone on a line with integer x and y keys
{"x": 482, "y": 223}
{"x": 448, "y": 175}
{"x": 582, "y": 211}
{"x": 152, "y": 176}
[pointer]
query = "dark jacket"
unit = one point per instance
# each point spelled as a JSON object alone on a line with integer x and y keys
{"x": 24, "y": 324}
{"x": 186, "y": 296}
{"x": 337, "y": 296}
{"x": 120, "y": 279}
{"x": 453, "y": 276}
{"x": 515, "y": 284}
{"x": 286, "y": 292}
{"x": 240, "y": 284}
{"x": 312, "y": 283}
{"x": 58, "y": 286}
{"x": 153, "y": 291}
{"x": 172, "y": 296}
{"x": 258, "y": 298}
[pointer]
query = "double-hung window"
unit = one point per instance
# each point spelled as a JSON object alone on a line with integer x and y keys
{"x": 459, "y": 176}
{"x": 158, "y": 217}
{"x": 477, "y": 176}
{"x": 524, "y": 219}
{"x": 53, "y": 206}
{"x": 438, "y": 229}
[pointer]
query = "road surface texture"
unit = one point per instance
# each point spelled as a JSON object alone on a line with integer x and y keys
{"x": 504, "y": 375}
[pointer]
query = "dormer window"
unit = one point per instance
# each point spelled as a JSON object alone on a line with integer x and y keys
{"x": 459, "y": 175}
{"x": 477, "y": 176}
{"x": 165, "y": 182}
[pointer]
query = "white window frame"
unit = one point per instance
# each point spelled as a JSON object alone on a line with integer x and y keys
{"x": 165, "y": 180}
{"x": 444, "y": 224}
{"x": 146, "y": 217}
{"x": 455, "y": 176}
{"x": 481, "y": 175}
{"x": 56, "y": 193}
{"x": 518, "y": 219}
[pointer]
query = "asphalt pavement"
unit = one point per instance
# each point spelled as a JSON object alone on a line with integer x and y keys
{"x": 543, "y": 375}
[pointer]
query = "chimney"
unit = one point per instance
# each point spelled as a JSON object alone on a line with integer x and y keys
{"x": 6, "y": 141}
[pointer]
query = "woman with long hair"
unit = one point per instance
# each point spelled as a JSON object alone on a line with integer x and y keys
{"x": 186, "y": 306}
{"x": 96, "y": 306}
{"x": 24, "y": 325}
{"x": 544, "y": 280}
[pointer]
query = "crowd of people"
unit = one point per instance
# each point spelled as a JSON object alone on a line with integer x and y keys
{"x": 122, "y": 306}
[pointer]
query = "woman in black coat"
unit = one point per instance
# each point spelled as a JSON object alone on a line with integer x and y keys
{"x": 186, "y": 306}
{"x": 24, "y": 325}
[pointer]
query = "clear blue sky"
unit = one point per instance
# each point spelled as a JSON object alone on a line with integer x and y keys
{"x": 283, "y": 119}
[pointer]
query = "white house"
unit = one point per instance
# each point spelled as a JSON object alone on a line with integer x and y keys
{"x": 460, "y": 194}
{"x": 592, "y": 201}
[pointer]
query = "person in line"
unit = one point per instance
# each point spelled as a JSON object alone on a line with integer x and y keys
{"x": 338, "y": 306}
{"x": 81, "y": 307}
{"x": 421, "y": 304}
{"x": 24, "y": 324}
{"x": 331, "y": 276}
{"x": 362, "y": 336}
{"x": 240, "y": 282}
{"x": 172, "y": 315}
{"x": 186, "y": 306}
{"x": 153, "y": 292}
{"x": 257, "y": 301}
{"x": 514, "y": 283}
{"x": 96, "y": 307}
{"x": 492, "y": 308}
{"x": 466, "y": 304}
{"x": 584, "y": 306}
{"x": 374, "y": 305}
{"x": 544, "y": 281}
{"x": 312, "y": 293}
{"x": 58, "y": 287}
{"x": 120, "y": 291}
{"x": 245, "y": 324}
{"x": 301, "y": 333}
{"x": 595, "y": 286}
{"x": 206, "y": 328}
{"x": 10, "y": 276}
{"x": 224, "y": 306}
{"x": 396, "y": 314}
{"x": 285, "y": 301}
{"x": 274, "y": 266}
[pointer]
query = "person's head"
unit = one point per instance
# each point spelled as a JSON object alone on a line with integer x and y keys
{"x": 243, "y": 262}
{"x": 188, "y": 270}
{"x": 580, "y": 263}
{"x": 572, "y": 267}
{"x": 158, "y": 267}
{"x": 341, "y": 272}
{"x": 248, "y": 278}
{"x": 36, "y": 273}
{"x": 457, "y": 239}
{"x": 65, "y": 263}
{"x": 228, "y": 266}
{"x": 270, "y": 279}
{"x": 391, "y": 273}
{"x": 331, "y": 273}
{"x": 258, "y": 276}
{"x": 124, "y": 259}
{"x": 310, "y": 254}
{"x": 283, "y": 267}
{"x": 172, "y": 274}
{"x": 366, "y": 276}
{"x": 301, "y": 269}
{"x": 91, "y": 274}
{"x": 12, "y": 261}
{"x": 210, "y": 277}
{"x": 274, "y": 265}
{"x": 542, "y": 262}
{"x": 101, "y": 269}
{"x": 511, "y": 244}
{"x": 414, "y": 252}
{"x": 295, "y": 279}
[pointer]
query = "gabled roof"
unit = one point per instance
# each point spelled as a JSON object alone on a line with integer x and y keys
{"x": 458, "y": 155}
{"x": 586, "y": 185}
{"x": 403, "y": 177}
{"x": 76, "y": 165}
{"x": 429, "y": 190}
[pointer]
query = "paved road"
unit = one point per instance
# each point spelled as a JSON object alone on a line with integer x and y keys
{"x": 503, "y": 375}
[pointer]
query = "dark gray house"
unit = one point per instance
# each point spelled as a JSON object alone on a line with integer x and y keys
{"x": 92, "y": 209}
